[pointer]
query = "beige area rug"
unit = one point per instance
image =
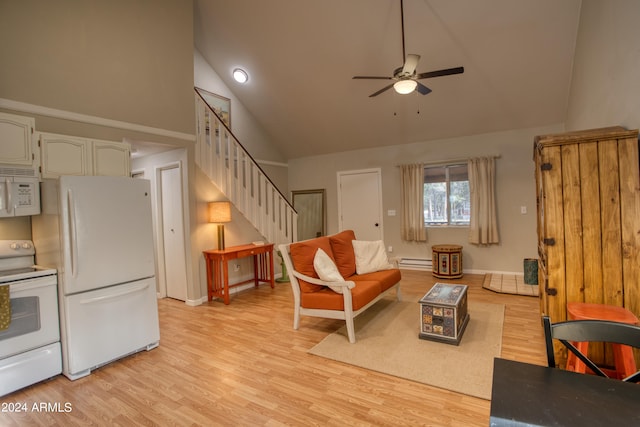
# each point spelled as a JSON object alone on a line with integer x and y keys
{"x": 509, "y": 284}
{"x": 387, "y": 341}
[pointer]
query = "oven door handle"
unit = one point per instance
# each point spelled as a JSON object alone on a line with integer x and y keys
{"x": 73, "y": 235}
{"x": 138, "y": 288}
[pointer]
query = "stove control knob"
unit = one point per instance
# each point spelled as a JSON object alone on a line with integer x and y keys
{"x": 14, "y": 245}
{"x": 26, "y": 245}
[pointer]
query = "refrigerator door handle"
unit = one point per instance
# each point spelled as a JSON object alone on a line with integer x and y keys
{"x": 138, "y": 288}
{"x": 73, "y": 235}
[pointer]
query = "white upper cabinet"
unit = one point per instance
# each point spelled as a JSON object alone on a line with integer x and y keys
{"x": 64, "y": 155}
{"x": 15, "y": 140}
{"x": 111, "y": 158}
{"x": 69, "y": 155}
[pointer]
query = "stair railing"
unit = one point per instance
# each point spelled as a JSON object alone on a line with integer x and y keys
{"x": 239, "y": 177}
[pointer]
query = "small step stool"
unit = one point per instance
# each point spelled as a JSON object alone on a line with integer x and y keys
{"x": 623, "y": 354}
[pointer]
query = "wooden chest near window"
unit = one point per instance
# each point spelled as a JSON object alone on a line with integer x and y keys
{"x": 588, "y": 197}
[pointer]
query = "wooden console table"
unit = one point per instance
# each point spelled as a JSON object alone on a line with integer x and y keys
{"x": 218, "y": 267}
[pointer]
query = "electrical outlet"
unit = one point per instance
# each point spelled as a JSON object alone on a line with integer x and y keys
{"x": 236, "y": 267}
{"x": 390, "y": 249}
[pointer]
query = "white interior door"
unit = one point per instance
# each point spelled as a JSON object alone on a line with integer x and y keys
{"x": 174, "y": 250}
{"x": 360, "y": 203}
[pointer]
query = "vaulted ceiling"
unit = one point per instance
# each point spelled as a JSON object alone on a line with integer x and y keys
{"x": 301, "y": 56}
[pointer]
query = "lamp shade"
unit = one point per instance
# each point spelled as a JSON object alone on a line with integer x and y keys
{"x": 405, "y": 86}
{"x": 219, "y": 212}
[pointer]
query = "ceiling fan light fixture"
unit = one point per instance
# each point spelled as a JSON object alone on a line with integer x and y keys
{"x": 404, "y": 87}
{"x": 240, "y": 75}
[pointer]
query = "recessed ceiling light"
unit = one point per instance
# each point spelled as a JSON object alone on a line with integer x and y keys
{"x": 240, "y": 75}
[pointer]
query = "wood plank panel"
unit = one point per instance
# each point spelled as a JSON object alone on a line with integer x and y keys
{"x": 630, "y": 206}
{"x": 610, "y": 215}
{"x": 591, "y": 224}
{"x": 572, "y": 211}
{"x": 243, "y": 364}
{"x": 540, "y": 209}
{"x": 554, "y": 234}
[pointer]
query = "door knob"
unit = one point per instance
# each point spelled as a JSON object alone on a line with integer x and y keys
{"x": 376, "y": 224}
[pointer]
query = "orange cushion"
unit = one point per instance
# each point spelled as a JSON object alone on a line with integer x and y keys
{"x": 326, "y": 299}
{"x": 302, "y": 254}
{"x": 343, "y": 252}
{"x": 386, "y": 278}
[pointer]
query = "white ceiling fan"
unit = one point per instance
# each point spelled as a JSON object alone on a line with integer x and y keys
{"x": 405, "y": 77}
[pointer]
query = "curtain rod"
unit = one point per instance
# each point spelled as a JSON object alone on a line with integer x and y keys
{"x": 453, "y": 161}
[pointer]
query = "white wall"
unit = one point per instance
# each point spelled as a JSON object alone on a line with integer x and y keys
{"x": 605, "y": 89}
{"x": 244, "y": 126}
{"x": 149, "y": 166}
{"x": 515, "y": 187}
{"x": 255, "y": 140}
{"x": 108, "y": 59}
{"x": 118, "y": 59}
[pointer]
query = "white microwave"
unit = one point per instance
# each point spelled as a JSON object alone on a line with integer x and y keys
{"x": 19, "y": 196}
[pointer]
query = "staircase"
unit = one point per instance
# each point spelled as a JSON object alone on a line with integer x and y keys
{"x": 232, "y": 169}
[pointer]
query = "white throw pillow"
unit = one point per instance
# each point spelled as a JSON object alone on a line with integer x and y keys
{"x": 327, "y": 270}
{"x": 370, "y": 256}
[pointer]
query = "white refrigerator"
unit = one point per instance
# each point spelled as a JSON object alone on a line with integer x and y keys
{"x": 97, "y": 232}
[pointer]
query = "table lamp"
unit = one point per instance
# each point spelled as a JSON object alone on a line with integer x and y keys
{"x": 219, "y": 213}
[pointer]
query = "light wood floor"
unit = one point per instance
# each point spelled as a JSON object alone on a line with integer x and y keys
{"x": 244, "y": 365}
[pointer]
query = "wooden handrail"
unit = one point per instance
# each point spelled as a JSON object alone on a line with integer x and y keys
{"x": 242, "y": 146}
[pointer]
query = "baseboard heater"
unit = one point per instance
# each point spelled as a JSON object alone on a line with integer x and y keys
{"x": 415, "y": 264}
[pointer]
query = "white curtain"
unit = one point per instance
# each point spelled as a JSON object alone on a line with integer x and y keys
{"x": 483, "y": 227}
{"x": 412, "y": 199}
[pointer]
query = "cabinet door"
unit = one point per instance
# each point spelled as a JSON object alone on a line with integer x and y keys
{"x": 64, "y": 155}
{"x": 15, "y": 134}
{"x": 111, "y": 158}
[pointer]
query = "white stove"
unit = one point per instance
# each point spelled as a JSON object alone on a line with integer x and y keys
{"x": 30, "y": 344}
{"x": 17, "y": 274}
{"x": 17, "y": 261}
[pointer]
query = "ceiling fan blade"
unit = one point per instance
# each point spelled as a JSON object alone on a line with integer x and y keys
{"x": 422, "y": 89}
{"x": 381, "y": 90}
{"x": 372, "y": 77}
{"x": 439, "y": 73}
{"x": 410, "y": 64}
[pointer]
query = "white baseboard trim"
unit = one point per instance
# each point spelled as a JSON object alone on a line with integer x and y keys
{"x": 196, "y": 302}
{"x": 232, "y": 291}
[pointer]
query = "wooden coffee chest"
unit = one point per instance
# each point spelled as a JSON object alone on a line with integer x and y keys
{"x": 443, "y": 313}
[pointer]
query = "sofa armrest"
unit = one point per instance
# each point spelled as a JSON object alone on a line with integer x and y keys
{"x": 346, "y": 284}
{"x": 395, "y": 260}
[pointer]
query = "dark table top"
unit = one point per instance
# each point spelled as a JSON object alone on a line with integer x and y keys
{"x": 532, "y": 395}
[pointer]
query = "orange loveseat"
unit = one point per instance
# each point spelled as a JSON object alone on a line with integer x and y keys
{"x": 347, "y": 294}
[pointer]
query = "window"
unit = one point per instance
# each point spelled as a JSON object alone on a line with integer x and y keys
{"x": 446, "y": 195}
